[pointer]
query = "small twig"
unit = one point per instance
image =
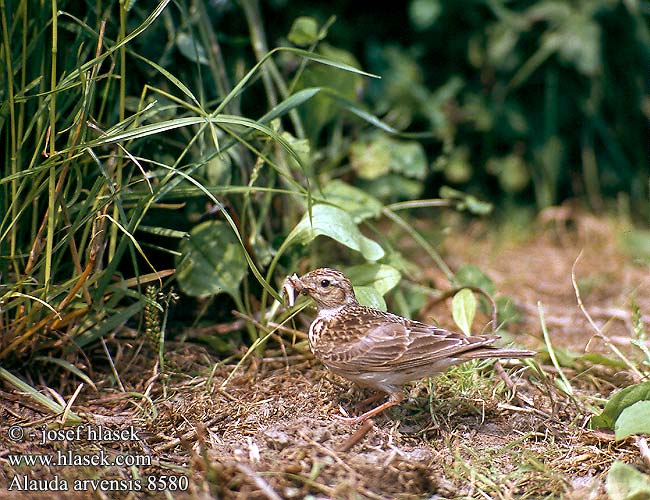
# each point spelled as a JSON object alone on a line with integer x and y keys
{"x": 357, "y": 436}
{"x": 599, "y": 333}
{"x": 327, "y": 451}
{"x": 520, "y": 399}
{"x": 192, "y": 433}
{"x": 259, "y": 481}
{"x": 333, "y": 454}
{"x": 293, "y": 331}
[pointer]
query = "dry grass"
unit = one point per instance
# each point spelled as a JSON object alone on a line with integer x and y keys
{"x": 268, "y": 432}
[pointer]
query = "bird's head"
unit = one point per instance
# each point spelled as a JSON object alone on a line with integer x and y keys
{"x": 329, "y": 288}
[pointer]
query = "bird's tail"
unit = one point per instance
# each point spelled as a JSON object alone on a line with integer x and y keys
{"x": 495, "y": 352}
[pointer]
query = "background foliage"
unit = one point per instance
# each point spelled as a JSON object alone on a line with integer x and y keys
{"x": 140, "y": 139}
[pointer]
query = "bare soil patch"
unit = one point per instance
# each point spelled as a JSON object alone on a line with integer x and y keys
{"x": 267, "y": 430}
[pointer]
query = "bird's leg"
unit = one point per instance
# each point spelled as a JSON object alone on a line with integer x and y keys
{"x": 395, "y": 399}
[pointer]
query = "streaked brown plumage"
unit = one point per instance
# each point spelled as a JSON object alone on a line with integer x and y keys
{"x": 378, "y": 349}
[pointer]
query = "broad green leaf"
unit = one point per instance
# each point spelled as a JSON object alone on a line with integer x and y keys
{"x": 372, "y": 282}
{"x": 507, "y": 310}
{"x": 359, "y": 204}
{"x": 212, "y": 261}
{"x": 618, "y": 402}
{"x": 369, "y": 296}
{"x": 381, "y": 277}
{"x": 624, "y": 482}
{"x": 337, "y": 224}
{"x": 471, "y": 275}
{"x": 320, "y": 110}
{"x": 304, "y": 31}
{"x": 393, "y": 187}
{"x": 634, "y": 419}
{"x": 379, "y": 155}
{"x": 464, "y": 310}
{"x": 408, "y": 158}
{"x": 370, "y": 159}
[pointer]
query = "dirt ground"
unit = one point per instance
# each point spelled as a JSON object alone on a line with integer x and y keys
{"x": 210, "y": 428}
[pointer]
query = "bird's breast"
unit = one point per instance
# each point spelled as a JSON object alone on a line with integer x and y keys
{"x": 316, "y": 332}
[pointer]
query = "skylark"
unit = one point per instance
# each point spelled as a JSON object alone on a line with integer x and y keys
{"x": 378, "y": 349}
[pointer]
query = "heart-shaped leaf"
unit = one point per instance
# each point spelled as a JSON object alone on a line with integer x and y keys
{"x": 369, "y": 296}
{"x": 381, "y": 277}
{"x": 372, "y": 282}
{"x": 337, "y": 224}
{"x": 212, "y": 261}
{"x": 359, "y": 204}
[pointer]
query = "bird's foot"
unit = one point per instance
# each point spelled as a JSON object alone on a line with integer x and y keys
{"x": 394, "y": 400}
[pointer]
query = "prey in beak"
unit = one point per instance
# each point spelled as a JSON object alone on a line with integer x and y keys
{"x": 292, "y": 287}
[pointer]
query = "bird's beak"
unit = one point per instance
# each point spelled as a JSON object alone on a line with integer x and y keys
{"x": 292, "y": 286}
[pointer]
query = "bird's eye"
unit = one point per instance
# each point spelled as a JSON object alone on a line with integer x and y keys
{"x": 325, "y": 283}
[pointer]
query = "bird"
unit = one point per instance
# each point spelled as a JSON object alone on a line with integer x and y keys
{"x": 377, "y": 349}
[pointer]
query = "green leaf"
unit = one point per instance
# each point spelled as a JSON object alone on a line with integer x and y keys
{"x": 369, "y": 296}
{"x": 381, "y": 277}
{"x": 599, "y": 359}
{"x": 618, "y": 402}
{"x": 408, "y": 158}
{"x": 636, "y": 244}
{"x": 633, "y": 420}
{"x": 304, "y": 31}
{"x": 320, "y": 110}
{"x": 68, "y": 366}
{"x": 372, "y": 282}
{"x": 471, "y": 275}
{"x": 393, "y": 187}
{"x": 464, "y": 310}
{"x": 370, "y": 159}
{"x": 107, "y": 325}
{"x": 512, "y": 172}
{"x": 465, "y": 201}
{"x": 375, "y": 157}
{"x": 624, "y": 482}
{"x": 337, "y": 224}
{"x": 301, "y": 146}
{"x": 30, "y": 391}
{"x": 424, "y": 13}
{"x": 359, "y": 204}
{"x": 212, "y": 261}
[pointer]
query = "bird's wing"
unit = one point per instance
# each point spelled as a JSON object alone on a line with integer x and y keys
{"x": 389, "y": 342}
